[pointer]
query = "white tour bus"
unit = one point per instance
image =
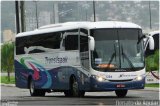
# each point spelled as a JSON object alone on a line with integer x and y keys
{"x": 155, "y": 35}
{"x": 79, "y": 57}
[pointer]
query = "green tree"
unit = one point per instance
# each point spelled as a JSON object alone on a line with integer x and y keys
{"x": 7, "y": 57}
{"x": 152, "y": 62}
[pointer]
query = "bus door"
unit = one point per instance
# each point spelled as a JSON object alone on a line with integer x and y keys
{"x": 84, "y": 57}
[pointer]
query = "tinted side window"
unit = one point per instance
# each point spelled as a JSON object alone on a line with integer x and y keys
{"x": 21, "y": 42}
{"x": 43, "y": 41}
{"x": 84, "y": 53}
{"x": 73, "y": 30}
{"x": 84, "y": 31}
{"x": 83, "y": 43}
{"x": 48, "y": 41}
{"x": 71, "y": 42}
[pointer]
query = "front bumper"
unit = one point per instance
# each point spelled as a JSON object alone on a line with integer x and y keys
{"x": 112, "y": 86}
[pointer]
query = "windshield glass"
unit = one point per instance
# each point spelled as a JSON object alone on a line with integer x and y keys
{"x": 117, "y": 49}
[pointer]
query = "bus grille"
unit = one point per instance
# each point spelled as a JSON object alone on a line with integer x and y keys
{"x": 121, "y": 80}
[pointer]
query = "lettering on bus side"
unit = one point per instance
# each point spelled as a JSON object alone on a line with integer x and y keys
{"x": 50, "y": 60}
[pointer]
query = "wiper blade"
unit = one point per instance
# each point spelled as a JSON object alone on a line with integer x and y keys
{"x": 126, "y": 57}
{"x": 113, "y": 55}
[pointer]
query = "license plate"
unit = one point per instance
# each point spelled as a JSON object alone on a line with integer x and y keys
{"x": 120, "y": 85}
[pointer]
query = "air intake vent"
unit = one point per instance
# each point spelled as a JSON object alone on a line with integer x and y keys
{"x": 121, "y": 80}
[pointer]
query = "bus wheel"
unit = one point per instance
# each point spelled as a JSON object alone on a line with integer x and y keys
{"x": 121, "y": 93}
{"x": 74, "y": 88}
{"x": 81, "y": 93}
{"x": 35, "y": 92}
{"x": 67, "y": 93}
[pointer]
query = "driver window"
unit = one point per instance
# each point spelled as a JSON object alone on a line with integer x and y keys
{"x": 84, "y": 52}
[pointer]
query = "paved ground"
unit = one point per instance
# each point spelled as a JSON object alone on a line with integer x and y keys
{"x": 15, "y": 96}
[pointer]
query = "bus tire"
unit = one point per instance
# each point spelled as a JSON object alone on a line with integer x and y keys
{"x": 35, "y": 92}
{"x": 67, "y": 93}
{"x": 121, "y": 93}
{"x": 81, "y": 93}
{"x": 75, "y": 88}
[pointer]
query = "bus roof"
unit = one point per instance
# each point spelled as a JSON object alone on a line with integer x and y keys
{"x": 75, "y": 25}
{"x": 154, "y": 32}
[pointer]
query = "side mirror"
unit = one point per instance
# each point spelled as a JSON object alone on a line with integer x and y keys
{"x": 151, "y": 43}
{"x": 91, "y": 43}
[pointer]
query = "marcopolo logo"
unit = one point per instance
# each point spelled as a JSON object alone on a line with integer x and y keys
{"x": 50, "y": 60}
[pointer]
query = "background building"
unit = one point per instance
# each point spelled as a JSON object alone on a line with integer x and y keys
{"x": 8, "y": 36}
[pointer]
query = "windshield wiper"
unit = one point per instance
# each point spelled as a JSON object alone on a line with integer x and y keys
{"x": 113, "y": 55}
{"x": 126, "y": 57}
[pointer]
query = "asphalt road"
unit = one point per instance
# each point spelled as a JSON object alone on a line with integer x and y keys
{"x": 12, "y": 96}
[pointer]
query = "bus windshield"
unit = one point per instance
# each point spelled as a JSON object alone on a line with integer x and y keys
{"x": 117, "y": 49}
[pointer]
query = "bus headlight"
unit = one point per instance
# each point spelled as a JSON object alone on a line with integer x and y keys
{"x": 138, "y": 78}
{"x": 99, "y": 78}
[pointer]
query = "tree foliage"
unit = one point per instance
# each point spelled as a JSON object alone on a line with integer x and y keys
{"x": 152, "y": 62}
{"x": 7, "y": 57}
